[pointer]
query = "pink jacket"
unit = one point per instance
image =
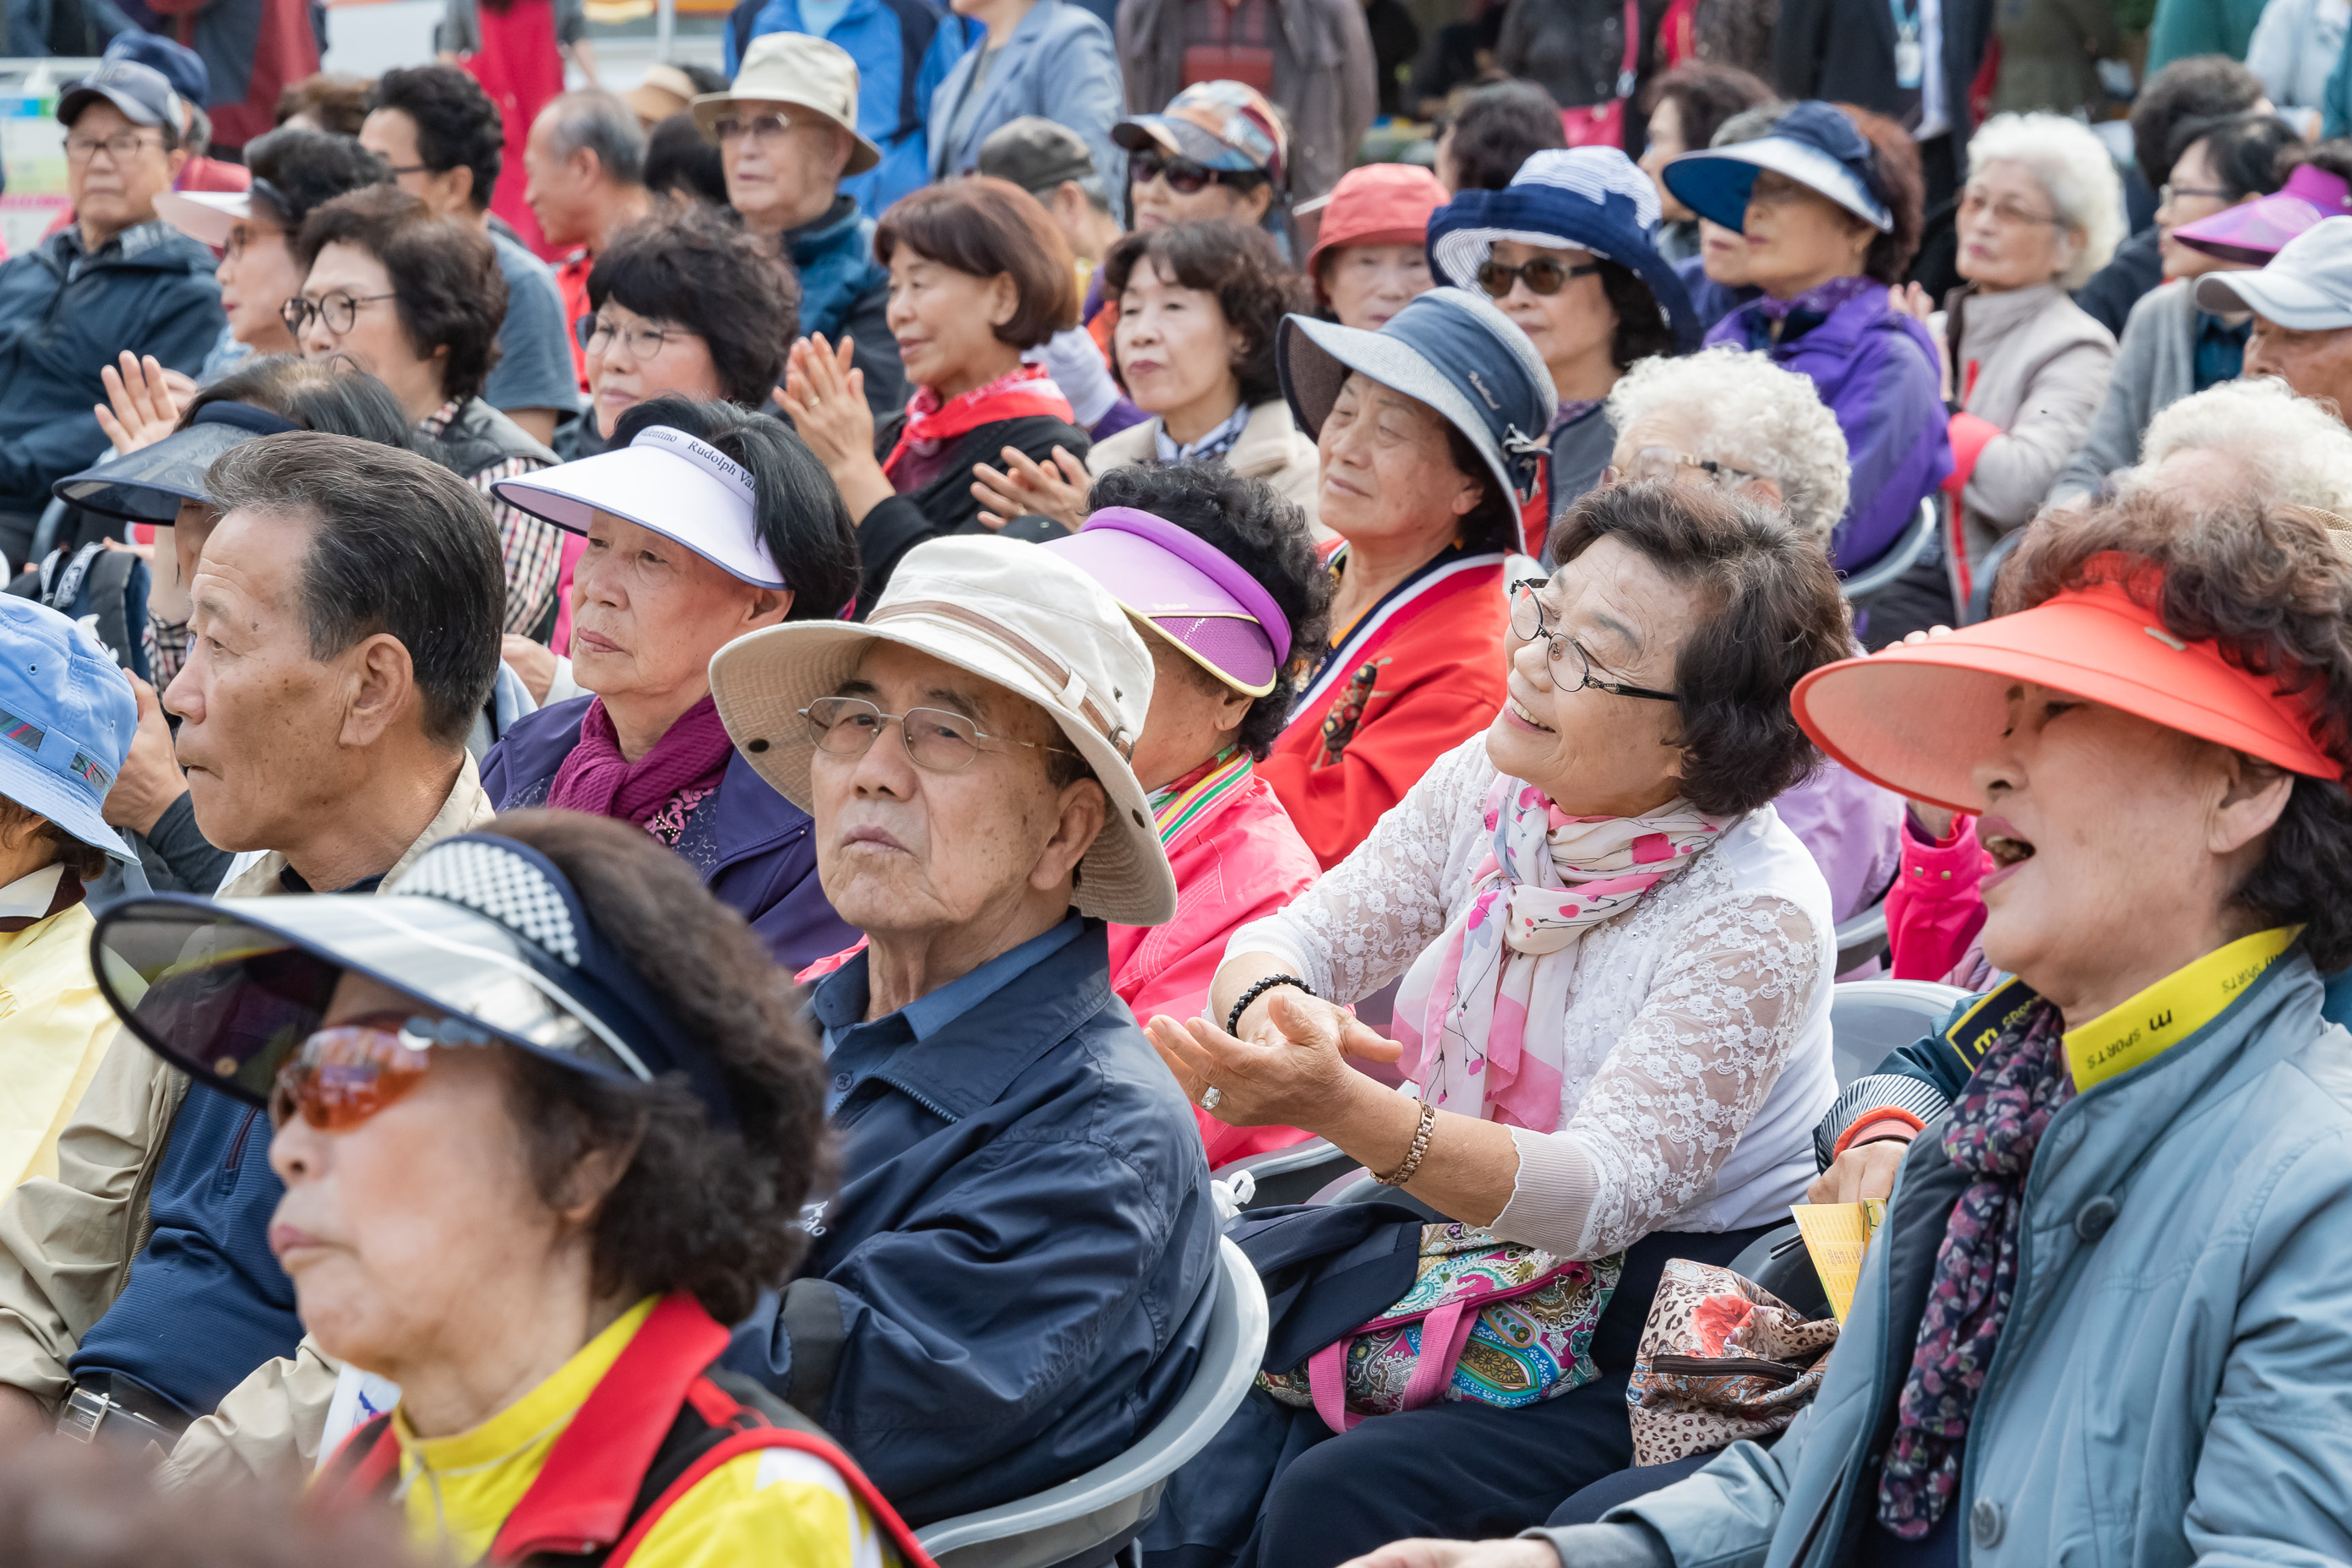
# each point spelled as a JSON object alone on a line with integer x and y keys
{"x": 1934, "y": 912}
{"x": 1239, "y": 862}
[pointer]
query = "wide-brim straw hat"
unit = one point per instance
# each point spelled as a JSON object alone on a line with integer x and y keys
{"x": 1015, "y": 615}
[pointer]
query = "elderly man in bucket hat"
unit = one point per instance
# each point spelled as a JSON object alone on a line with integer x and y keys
{"x": 787, "y": 136}
{"x": 1011, "y": 1286}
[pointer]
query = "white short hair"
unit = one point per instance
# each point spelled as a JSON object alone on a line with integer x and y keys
{"x": 2075, "y": 167}
{"x": 2299, "y": 452}
{"x": 1750, "y": 412}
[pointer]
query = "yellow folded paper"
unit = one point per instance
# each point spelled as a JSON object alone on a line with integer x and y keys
{"x": 1836, "y": 1235}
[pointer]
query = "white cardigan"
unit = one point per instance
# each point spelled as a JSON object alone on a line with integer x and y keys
{"x": 1698, "y": 1034}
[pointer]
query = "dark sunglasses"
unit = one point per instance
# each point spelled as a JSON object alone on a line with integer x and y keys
{"x": 1184, "y": 176}
{"x": 1545, "y": 275}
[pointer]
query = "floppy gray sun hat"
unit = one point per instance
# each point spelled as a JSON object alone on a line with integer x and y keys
{"x": 1017, "y": 616}
{"x": 1449, "y": 348}
{"x": 149, "y": 484}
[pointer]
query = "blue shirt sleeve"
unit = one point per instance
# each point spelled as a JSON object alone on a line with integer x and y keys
{"x": 534, "y": 368}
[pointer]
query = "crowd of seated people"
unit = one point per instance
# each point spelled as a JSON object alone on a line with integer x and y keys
{"x": 676, "y": 952}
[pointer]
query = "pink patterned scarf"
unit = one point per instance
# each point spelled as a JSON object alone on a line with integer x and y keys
{"x": 595, "y": 778}
{"x": 1492, "y": 1005}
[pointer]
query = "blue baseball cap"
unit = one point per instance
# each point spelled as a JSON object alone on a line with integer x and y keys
{"x": 144, "y": 94}
{"x": 67, "y": 716}
{"x": 179, "y": 65}
{"x": 1449, "y": 348}
{"x": 1814, "y": 145}
{"x": 1584, "y": 198}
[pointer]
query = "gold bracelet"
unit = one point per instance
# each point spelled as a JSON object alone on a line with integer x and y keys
{"x": 1403, "y": 1172}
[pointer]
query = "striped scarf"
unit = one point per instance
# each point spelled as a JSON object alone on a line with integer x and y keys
{"x": 1192, "y": 799}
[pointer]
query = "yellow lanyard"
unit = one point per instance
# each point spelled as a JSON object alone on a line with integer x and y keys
{"x": 2172, "y": 1010}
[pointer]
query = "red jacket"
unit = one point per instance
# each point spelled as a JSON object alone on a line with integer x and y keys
{"x": 1396, "y": 697}
{"x": 1239, "y": 862}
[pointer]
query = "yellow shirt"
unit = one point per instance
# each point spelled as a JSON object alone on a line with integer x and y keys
{"x": 54, "y": 1028}
{"x": 777, "y": 1507}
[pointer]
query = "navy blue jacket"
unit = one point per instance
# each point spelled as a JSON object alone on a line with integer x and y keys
{"x": 756, "y": 850}
{"x": 1012, "y": 1285}
{"x": 64, "y": 316}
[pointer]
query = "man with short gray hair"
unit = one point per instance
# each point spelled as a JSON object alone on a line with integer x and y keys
{"x": 583, "y": 177}
{"x": 345, "y": 631}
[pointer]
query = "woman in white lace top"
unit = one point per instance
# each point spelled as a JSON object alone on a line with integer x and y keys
{"x": 1616, "y": 968}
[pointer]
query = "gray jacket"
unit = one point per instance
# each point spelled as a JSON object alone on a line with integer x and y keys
{"x": 2156, "y": 367}
{"x": 2169, "y": 1387}
{"x": 1059, "y": 63}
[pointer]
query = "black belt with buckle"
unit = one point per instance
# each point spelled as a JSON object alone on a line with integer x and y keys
{"x": 120, "y": 1409}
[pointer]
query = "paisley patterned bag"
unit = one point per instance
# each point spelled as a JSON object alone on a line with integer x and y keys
{"x": 1722, "y": 1358}
{"x": 1486, "y": 1319}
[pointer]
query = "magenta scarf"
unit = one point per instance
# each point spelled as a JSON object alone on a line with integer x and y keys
{"x": 595, "y": 778}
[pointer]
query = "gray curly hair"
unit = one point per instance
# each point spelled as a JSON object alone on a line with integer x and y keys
{"x": 2075, "y": 167}
{"x": 1749, "y": 413}
{"x": 2290, "y": 447}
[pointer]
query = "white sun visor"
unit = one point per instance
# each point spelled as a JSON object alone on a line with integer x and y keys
{"x": 683, "y": 488}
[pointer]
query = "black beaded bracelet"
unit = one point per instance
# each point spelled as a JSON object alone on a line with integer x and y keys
{"x": 1258, "y": 989}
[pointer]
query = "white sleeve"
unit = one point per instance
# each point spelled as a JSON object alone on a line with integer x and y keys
{"x": 1679, "y": 1087}
{"x": 1365, "y": 920}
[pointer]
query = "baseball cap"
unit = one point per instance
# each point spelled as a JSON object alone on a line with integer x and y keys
{"x": 143, "y": 94}
{"x": 1379, "y": 204}
{"x": 179, "y": 65}
{"x": 1814, "y": 145}
{"x": 1188, "y": 591}
{"x": 678, "y": 485}
{"x": 1226, "y": 125}
{"x": 1918, "y": 717}
{"x": 2307, "y": 287}
{"x": 794, "y": 69}
{"x": 1037, "y": 154}
{"x": 66, "y": 717}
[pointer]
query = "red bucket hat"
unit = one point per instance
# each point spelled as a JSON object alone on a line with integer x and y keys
{"x": 1379, "y": 204}
{"x": 1916, "y": 717}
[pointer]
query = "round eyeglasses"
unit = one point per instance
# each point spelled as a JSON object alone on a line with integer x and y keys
{"x": 338, "y": 311}
{"x": 1528, "y": 626}
{"x": 938, "y": 740}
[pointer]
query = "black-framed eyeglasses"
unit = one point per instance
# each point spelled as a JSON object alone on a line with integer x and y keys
{"x": 938, "y": 740}
{"x": 123, "y": 146}
{"x": 1184, "y": 176}
{"x": 1528, "y": 626}
{"x": 340, "y": 310}
{"x": 1545, "y": 274}
{"x": 596, "y": 335}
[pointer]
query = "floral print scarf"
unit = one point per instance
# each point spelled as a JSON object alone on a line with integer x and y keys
{"x": 1991, "y": 1133}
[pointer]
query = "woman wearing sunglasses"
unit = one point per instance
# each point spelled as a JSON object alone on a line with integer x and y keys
{"x": 1828, "y": 207}
{"x": 704, "y": 522}
{"x": 1614, "y": 1001}
{"x": 416, "y": 302}
{"x": 547, "y": 1126}
{"x": 1567, "y": 251}
{"x": 1217, "y": 151}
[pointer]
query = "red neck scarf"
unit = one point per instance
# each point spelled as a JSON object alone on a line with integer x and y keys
{"x": 595, "y": 778}
{"x": 930, "y": 423}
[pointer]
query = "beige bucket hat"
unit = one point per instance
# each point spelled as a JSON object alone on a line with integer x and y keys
{"x": 1014, "y": 615}
{"x": 795, "y": 69}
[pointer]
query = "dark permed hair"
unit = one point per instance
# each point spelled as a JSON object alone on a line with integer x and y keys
{"x": 446, "y": 282}
{"x": 457, "y": 121}
{"x": 700, "y": 272}
{"x": 1254, "y": 286}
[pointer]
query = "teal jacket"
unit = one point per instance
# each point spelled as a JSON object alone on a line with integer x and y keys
{"x": 2174, "y": 1382}
{"x": 2185, "y": 28}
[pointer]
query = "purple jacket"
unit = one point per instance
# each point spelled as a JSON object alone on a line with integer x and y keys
{"x": 756, "y": 850}
{"x": 1877, "y": 370}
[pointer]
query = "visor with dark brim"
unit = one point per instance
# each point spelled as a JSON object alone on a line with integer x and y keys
{"x": 227, "y": 990}
{"x": 147, "y": 484}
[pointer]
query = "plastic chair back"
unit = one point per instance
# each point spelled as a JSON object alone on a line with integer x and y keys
{"x": 1866, "y": 583}
{"x": 1095, "y": 1517}
{"x": 1869, "y": 1018}
{"x": 1287, "y": 1175}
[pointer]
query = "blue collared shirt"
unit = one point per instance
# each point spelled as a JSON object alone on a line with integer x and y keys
{"x": 856, "y": 1048}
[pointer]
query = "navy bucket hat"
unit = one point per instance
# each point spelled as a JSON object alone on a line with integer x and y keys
{"x": 1452, "y": 350}
{"x": 1814, "y": 145}
{"x": 1582, "y": 198}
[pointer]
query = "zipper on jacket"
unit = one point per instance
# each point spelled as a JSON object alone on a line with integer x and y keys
{"x": 926, "y": 1102}
{"x": 225, "y": 1181}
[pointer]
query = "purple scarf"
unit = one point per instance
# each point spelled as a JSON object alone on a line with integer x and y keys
{"x": 595, "y": 778}
{"x": 2020, "y": 1083}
